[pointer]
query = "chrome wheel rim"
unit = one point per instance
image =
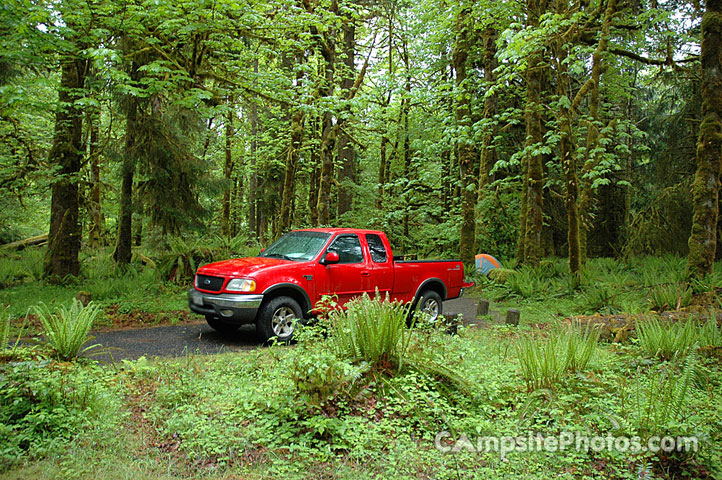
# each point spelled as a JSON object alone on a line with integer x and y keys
{"x": 431, "y": 308}
{"x": 282, "y": 321}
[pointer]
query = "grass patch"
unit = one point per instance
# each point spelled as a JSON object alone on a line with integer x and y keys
{"x": 545, "y": 361}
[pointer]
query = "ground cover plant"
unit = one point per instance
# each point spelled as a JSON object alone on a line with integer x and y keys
{"x": 390, "y": 403}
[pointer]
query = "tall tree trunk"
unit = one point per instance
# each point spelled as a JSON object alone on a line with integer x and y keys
{"x": 586, "y": 194}
{"x": 346, "y": 152}
{"x": 61, "y": 257}
{"x": 407, "y": 165}
{"x": 521, "y": 242}
{"x": 534, "y": 181}
{"x": 123, "y": 248}
{"x": 569, "y": 166}
{"x": 705, "y": 189}
{"x": 382, "y": 172}
{"x": 292, "y": 156}
{"x": 253, "y": 175}
{"x": 289, "y": 183}
{"x": 97, "y": 220}
{"x": 466, "y": 150}
{"x": 491, "y": 106}
{"x": 328, "y": 136}
{"x": 138, "y": 235}
{"x": 228, "y": 170}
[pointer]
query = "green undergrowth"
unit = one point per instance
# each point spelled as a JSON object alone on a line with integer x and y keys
{"x": 606, "y": 286}
{"x": 304, "y": 411}
{"x": 360, "y": 396}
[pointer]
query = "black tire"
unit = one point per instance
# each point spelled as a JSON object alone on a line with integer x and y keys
{"x": 221, "y": 326}
{"x": 430, "y": 302}
{"x": 275, "y": 319}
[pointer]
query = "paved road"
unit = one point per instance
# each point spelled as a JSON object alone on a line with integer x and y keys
{"x": 178, "y": 340}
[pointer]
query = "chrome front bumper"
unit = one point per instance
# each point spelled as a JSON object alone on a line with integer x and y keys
{"x": 233, "y": 308}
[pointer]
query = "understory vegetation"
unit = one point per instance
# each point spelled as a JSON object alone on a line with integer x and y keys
{"x": 360, "y": 395}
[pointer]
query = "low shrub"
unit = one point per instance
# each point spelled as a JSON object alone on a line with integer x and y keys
{"x": 66, "y": 330}
{"x": 544, "y": 362}
{"x": 660, "y": 403}
{"x": 4, "y": 331}
{"x": 45, "y": 406}
{"x": 319, "y": 376}
{"x": 665, "y": 297}
{"x": 372, "y": 331}
{"x": 666, "y": 340}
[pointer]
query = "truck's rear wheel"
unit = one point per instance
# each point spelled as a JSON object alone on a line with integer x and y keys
{"x": 431, "y": 304}
{"x": 221, "y": 326}
{"x": 278, "y": 319}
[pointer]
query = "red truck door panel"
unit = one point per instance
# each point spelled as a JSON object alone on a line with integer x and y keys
{"x": 348, "y": 278}
{"x": 381, "y": 265}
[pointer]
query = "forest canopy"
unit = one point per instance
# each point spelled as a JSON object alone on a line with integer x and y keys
{"x": 521, "y": 129}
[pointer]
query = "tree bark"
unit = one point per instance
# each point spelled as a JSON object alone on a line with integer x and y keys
{"x": 534, "y": 182}
{"x": 382, "y": 173}
{"x": 123, "y": 248}
{"x": 253, "y": 175}
{"x": 289, "y": 190}
{"x": 491, "y": 106}
{"x": 466, "y": 150}
{"x": 705, "y": 189}
{"x": 228, "y": 170}
{"x": 97, "y": 220}
{"x": 346, "y": 152}
{"x": 61, "y": 258}
{"x": 586, "y": 195}
{"x": 328, "y": 136}
{"x": 569, "y": 165}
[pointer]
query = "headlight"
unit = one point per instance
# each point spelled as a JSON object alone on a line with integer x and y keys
{"x": 241, "y": 285}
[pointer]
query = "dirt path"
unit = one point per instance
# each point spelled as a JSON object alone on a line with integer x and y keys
{"x": 199, "y": 338}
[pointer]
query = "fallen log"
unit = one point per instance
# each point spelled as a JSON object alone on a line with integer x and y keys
{"x": 20, "y": 244}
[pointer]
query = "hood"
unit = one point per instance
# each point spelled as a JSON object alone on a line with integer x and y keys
{"x": 239, "y": 267}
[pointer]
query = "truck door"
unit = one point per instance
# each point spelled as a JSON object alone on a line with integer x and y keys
{"x": 347, "y": 278}
{"x": 381, "y": 265}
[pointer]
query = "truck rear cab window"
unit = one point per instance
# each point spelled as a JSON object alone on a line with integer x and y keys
{"x": 376, "y": 247}
{"x": 348, "y": 248}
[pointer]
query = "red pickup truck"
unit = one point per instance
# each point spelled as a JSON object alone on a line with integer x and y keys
{"x": 287, "y": 279}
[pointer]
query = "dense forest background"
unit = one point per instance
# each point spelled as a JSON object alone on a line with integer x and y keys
{"x": 521, "y": 129}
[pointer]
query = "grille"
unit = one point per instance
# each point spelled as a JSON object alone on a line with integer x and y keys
{"x": 206, "y": 282}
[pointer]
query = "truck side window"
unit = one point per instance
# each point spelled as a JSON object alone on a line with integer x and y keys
{"x": 376, "y": 247}
{"x": 348, "y": 248}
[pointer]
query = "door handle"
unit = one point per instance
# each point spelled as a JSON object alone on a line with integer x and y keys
{"x": 365, "y": 274}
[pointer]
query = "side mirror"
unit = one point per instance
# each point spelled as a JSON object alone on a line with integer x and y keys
{"x": 262, "y": 250}
{"x": 330, "y": 258}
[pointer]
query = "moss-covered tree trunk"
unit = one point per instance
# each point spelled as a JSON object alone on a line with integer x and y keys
{"x": 315, "y": 171}
{"x": 383, "y": 160}
{"x": 123, "y": 246}
{"x": 706, "y": 186}
{"x": 569, "y": 164}
{"x": 534, "y": 182}
{"x": 591, "y": 87}
{"x": 95, "y": 210}
{"x": 253, "y": 174}
{"x": 228, "y": 170}
{"x": 61, "y": 258}
{"x": 491, "y": 106}
{"x": 346, "y": 151}
{"x": 466, "y": 149}
{"x": 289, "y": 182}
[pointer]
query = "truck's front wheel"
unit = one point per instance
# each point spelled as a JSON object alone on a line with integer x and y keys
{"x": 278, "y": 318}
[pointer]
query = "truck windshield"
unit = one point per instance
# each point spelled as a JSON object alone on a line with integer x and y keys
{"x": 297, "y": 246}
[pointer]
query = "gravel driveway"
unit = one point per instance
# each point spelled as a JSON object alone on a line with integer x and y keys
{"x": 179, "y": 340}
